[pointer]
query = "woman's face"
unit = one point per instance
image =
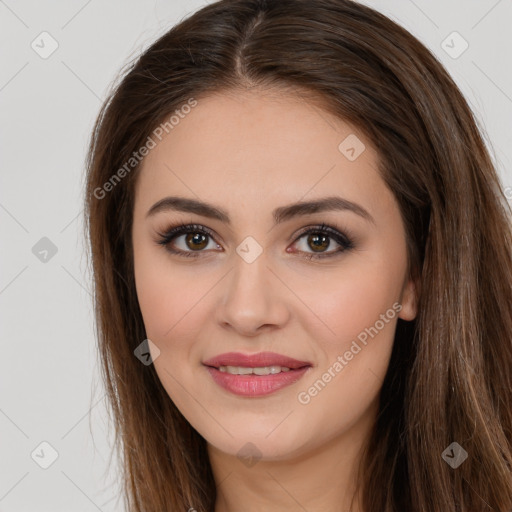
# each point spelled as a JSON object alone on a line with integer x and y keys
{"x": 240, "y": 163}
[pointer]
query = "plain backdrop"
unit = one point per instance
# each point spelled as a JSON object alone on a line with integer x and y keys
{"x": 52, "y": 411}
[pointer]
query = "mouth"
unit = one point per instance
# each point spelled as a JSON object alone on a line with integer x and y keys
{"x": 255, "y": 361}
{"x": 255, "y": 375}
{"x": 263, "y": 370}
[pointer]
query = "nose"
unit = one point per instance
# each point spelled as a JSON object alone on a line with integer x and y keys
{"x": 252, "y": 299}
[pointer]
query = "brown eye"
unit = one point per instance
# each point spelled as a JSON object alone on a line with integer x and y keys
{"x": 195, "y": 238}
{"x": 187, "y": 240}
{"x": 196, "y": 241}
{"x": 318, "y": 242}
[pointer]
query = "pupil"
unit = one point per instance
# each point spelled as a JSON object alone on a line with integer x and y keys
{"x": 197, "y": 239}
{"x": 317, "y": 244}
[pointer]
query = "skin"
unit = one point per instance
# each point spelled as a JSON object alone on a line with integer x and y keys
{"x": 248, "y": 153}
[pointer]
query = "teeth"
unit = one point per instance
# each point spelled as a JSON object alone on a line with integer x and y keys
{"x": 241, "y": 370}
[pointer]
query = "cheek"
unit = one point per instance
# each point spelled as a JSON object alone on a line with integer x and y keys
{"x": 166, "y": 294}
{"x": 354, "y": 362}
{"x": 359, "y": 322}
{"x": 170, "y": 303}
{"x": 157, "y": 298}
{"x": 361, "y": 308}
{"x": 342, "y": 304}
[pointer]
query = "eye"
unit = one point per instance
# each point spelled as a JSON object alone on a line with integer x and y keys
{"x": 197, "y": 238}
{"x": 319, "y": 239}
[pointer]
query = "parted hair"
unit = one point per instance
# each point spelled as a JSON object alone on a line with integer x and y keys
{"x": 450, "y": 374}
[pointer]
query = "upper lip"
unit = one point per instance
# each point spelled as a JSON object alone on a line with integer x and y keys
{"x": 259, "y": 360}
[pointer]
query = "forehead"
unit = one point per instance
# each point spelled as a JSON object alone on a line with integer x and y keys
{"x": 258, "y": 145}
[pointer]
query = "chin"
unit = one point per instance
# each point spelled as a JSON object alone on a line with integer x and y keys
{"x": 260, "y": 445}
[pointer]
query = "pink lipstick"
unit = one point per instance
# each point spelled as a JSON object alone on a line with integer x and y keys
{"x": 253, "y": 375}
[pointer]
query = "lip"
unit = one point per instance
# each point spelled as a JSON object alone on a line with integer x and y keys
{"x": 255, "y": 385}
{"x": 259, "y": 360}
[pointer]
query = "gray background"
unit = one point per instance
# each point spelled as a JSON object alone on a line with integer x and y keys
{"x": 50, "y": 388}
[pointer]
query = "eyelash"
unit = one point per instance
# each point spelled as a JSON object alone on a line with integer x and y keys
{"x": 323, "y": 229}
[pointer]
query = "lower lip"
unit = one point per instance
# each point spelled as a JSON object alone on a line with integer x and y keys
{"x": 255, "y": 385}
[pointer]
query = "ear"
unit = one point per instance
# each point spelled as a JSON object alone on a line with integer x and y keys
{"x": 409, "y": 301}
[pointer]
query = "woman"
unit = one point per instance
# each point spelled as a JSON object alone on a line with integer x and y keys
{"x": 303, "y": 270}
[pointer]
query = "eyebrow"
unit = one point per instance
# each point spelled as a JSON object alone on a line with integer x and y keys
{"x": 281, "y": 214}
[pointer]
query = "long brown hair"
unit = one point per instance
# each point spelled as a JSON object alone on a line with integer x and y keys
{"x": 450, "y": 375}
